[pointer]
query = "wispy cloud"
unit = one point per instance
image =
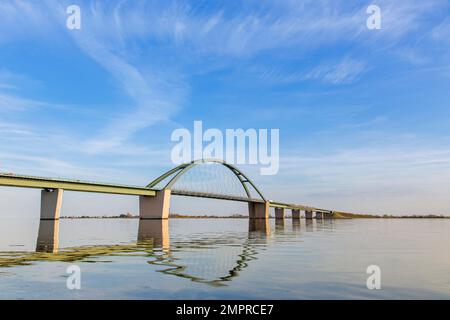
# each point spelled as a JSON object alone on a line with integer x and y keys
{"x": 23, "y": 19}
{"x": 254, "y": 28}
{"x": 368, "y": 123}
{"x": 346, "y": 71}
{"x": 441, "y": 32}
{"x": 155, "y": 97}
{"x": 13, "y": 131}
{"x": 13, "y": 102}
{"x": 263, "y": 26}
{"x": 151, "y": 104}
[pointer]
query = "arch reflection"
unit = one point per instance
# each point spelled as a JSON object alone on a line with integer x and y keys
{"x": 238, "y": 257}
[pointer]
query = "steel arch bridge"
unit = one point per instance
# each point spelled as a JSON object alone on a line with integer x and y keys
{"x": 154, "y": 199}
{"x": 170, "y": 178}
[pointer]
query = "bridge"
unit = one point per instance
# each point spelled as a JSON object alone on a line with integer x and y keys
{"x": 206, "y": 178}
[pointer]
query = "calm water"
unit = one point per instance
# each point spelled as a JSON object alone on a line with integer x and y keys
{"x": 224, "y": 259}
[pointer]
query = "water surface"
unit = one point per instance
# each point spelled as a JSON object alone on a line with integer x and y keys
{"x": 224, "y": 259}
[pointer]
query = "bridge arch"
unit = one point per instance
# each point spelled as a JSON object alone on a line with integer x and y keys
{"x": 169, "y": 179}
{"x": 158, "y": 207}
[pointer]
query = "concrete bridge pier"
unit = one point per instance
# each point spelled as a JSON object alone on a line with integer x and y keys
{"x": 279, "y": 213}
{"x": 295, "y": 214}
{"x": 156, "y": 207}
{"x": 51, "y": 201}
{"x": 319, "y": 215}
{"x": 308, "y": 215}
{"x": 258, "y": 210}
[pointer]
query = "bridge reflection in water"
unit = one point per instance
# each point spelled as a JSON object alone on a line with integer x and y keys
{"x": 48, "y": 236}
{"x": 156, "y": 232}
{"x": 213, "y": 265}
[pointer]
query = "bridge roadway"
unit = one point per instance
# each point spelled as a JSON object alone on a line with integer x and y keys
{"x": 50, "y": 184}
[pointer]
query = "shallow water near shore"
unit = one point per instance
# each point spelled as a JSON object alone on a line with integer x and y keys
{"x": 224, "y": 259}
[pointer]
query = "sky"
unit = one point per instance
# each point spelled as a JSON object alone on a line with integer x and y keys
{"x": 364, "y": 115}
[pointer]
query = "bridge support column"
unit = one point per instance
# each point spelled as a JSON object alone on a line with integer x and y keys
{"x": 51, "y": 201}
{"x": 319, "y": 215}
{"x": 295, "y": 214}
{"x": 328, "y": 215}
{"x": 308, "y": 214}
{"x": 156, "y": 207}
{"x": 257, "y": 210}
{"x": 279, "y": 213}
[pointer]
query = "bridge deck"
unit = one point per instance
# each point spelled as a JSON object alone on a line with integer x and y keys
{"x": 213, "y": 196}
{"x": 272, "y": 204}
{"x": 13, "y": 180}
{"x": 297, "y": 207}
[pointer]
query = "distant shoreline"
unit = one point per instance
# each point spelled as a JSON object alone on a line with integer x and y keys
{"x": 347, "y": 215}
{"x": 337, "y": 215}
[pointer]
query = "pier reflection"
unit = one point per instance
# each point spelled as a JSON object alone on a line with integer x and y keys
{"x": 48, "y": 236}
{"x": 309, "y": 225}
{"x": 320, "y": 226}
{"x": 259, "y": 227}
{"x": 328, "y": 224}
{"x": 296, "y": 225}
{"x": 155, "y": 231}
{"x": 279, "y": 226}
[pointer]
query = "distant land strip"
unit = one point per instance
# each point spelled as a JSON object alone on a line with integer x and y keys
{"x": 336, "y": 215}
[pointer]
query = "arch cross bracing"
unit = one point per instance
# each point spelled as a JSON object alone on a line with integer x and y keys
{"x": 171, "y": 181}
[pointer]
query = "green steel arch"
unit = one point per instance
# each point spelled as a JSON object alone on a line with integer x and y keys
{"x": 182, "y": 169}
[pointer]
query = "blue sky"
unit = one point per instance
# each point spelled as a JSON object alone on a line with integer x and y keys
{"x": 364, "y": 115}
